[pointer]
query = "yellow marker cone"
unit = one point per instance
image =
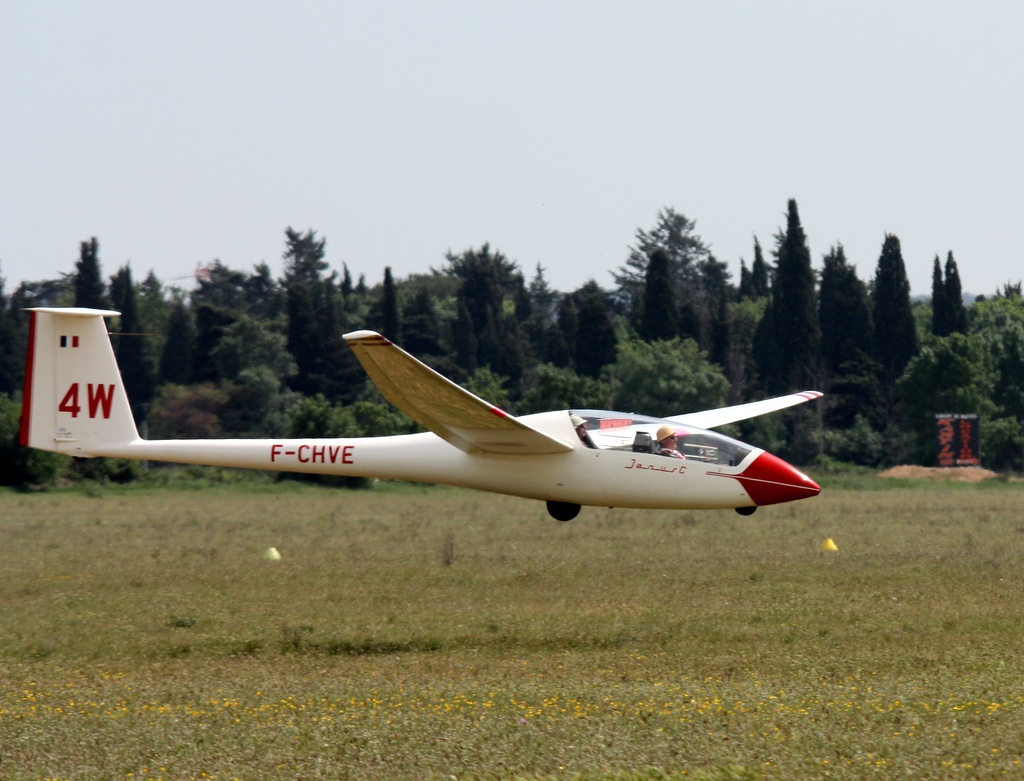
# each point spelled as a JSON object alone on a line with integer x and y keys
{"x": 271, "y": 554}
{"x": 829, "y": 545}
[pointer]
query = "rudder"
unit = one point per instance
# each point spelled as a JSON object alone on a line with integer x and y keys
{"x": 74, "y": 400}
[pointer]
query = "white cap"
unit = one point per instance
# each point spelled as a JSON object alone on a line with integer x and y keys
{"x": 577, "y": 421}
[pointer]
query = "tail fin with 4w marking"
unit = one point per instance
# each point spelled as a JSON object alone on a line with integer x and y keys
{"x": 74, "y": 399}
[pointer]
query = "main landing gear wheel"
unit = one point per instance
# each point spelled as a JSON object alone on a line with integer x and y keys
{"x": 746, "y": 510}
{"x": 563, "y": 511}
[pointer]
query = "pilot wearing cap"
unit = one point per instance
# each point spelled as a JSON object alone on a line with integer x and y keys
{"x": 666, "y": 437}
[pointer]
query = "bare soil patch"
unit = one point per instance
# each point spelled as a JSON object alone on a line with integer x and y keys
{"x": 962, "y": 474}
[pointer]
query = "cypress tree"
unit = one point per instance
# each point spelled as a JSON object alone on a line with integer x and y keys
{"x": 797, "y": 334}
{"x": 392, "y": 322}
{"x": 89, "y": 289}
{"x": 955, "y": 297}
{"x": 177, "y": 355}
{"x": 941, "y": 325}
{"x": 895, "y": 334}
{"x": 10, "y": 357}
{"x": 716, "y": 293}
{"x": 136, "y": 367}
{"x": 595, "y": 343}
{"x": 844, "y": 312}
{"x": 760, "y": 273}
{"x": 420, "y": 330}
{"x": 465, "y": 338}
{"x": 565, "y": 335}
{"x": 303, "y": 337}
{"x": 336, "y": 372}
{"x": 754, "y": 283}
{"x": 210, "y": 322}
{"x": 658, "y": 315}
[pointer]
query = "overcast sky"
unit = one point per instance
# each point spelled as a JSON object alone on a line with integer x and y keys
{"x": 182, "y": 132}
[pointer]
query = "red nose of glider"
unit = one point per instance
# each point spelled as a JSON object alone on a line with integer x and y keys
{"x": 770, "y": 480}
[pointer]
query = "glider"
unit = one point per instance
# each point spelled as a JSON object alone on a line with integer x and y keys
{"x": 75, "y": 403}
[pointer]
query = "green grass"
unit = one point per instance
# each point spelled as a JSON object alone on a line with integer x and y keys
{"x": 434, "y": 633}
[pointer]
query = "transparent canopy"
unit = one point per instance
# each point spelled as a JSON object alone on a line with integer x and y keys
{"x": 629, "y": 431}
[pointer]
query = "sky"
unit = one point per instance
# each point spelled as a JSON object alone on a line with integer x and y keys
{"x": 181, "y": 132}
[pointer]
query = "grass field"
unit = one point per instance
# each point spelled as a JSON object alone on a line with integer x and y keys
{"x": 435, "y": 633}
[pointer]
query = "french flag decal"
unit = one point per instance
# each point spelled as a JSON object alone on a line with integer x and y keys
{"x": 64, "y": 341}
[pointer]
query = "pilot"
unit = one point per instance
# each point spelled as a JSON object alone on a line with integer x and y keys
{"x": 667, "y": 442}
{"x": 580, "y": 425}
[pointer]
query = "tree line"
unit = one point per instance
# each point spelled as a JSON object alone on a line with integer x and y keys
{"x": 246, "y": 354}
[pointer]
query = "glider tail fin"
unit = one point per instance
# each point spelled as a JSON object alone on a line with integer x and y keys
{"x": 74, "y": 400}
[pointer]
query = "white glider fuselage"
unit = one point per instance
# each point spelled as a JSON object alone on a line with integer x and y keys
{"x": 585, "y": 476}
{"x": 75, "y": 403}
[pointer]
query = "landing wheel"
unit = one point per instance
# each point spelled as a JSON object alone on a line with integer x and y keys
{"x": 563, "y": 511}
{"x": 746, "y": 510}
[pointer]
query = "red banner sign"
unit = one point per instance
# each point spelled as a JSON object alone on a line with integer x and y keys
{"x": 958, "y": 439}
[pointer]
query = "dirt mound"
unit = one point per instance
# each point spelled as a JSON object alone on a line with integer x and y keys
{"x": 964, "y": 474}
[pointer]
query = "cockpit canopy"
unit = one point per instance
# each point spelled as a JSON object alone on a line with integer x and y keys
{"x": 628, "y": 431}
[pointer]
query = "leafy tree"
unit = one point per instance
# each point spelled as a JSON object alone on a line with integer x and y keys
{"x": 859, "y": 443}
{"x": 743, "y": 319}
{"x": 895, "y": 341}
{"x": 555, "y": 387}
{"x": 666, "y": 378}
{"x": 674, "y": 234}
{"x": 89, "y": 289}
{"x": 23, "y": 466}
{"x": 188, "y": 411}
{"x": 489, "y": 386}
{"x": 999, "y": 324}
{"x": 249, "y": 343}
{"x": 257, "y": 404}
{"x": 316, "y": 416}
{"x": 950, "y": 374}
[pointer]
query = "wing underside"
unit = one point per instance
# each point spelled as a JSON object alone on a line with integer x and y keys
{"x": 438, "y": 404}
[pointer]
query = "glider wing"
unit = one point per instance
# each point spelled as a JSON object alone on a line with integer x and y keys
{"x": 712, "y": 418}
{"x": 438, "y": 404}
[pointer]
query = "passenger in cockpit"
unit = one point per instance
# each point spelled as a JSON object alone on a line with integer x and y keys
{"x": 667, "y": 442}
